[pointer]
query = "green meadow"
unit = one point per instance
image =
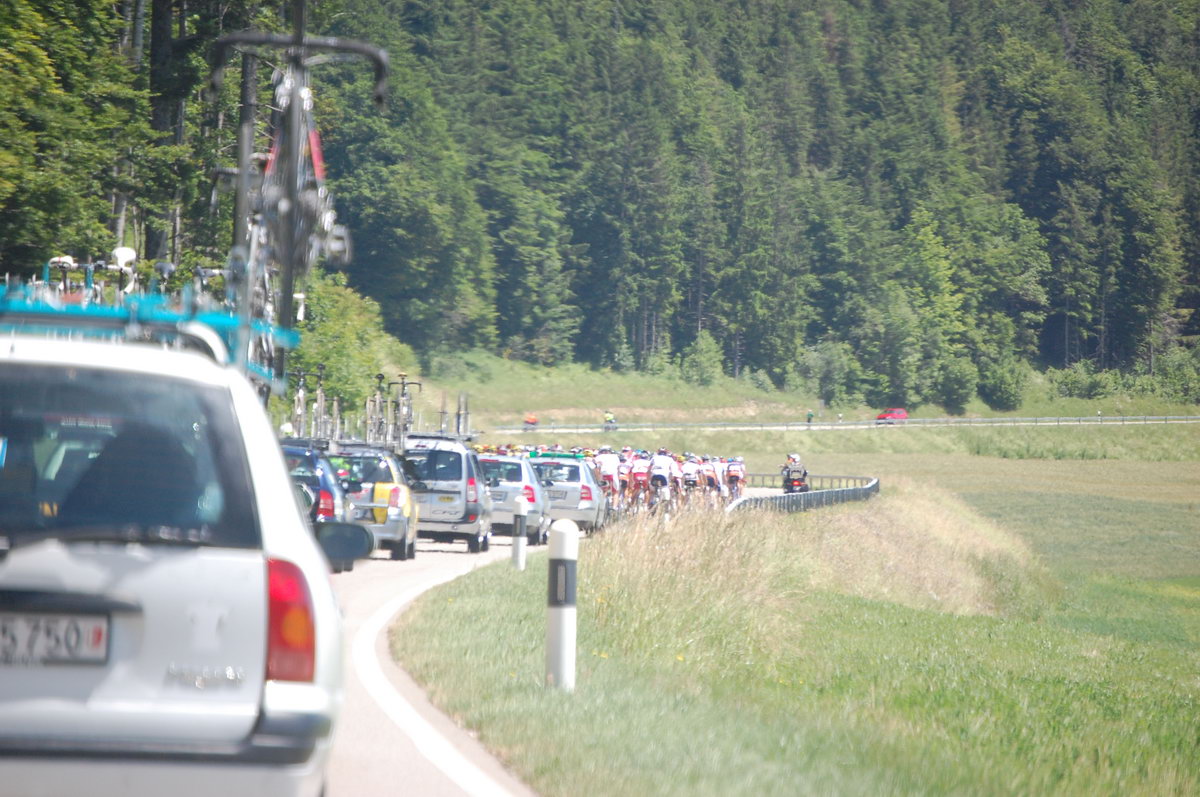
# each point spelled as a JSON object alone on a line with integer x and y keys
{"x": 1018, "y": 612}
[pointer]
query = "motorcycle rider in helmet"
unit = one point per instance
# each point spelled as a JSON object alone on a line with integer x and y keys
{"x": 793, "y": 469}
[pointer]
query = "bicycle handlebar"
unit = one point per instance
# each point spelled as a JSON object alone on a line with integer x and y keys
{"x": 303, "y": 47}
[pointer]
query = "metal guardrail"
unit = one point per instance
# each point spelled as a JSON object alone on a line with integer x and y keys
{"x": 801, "y": 425}
{"x": 857, "y": 488}
{"x": 815, "y": 482}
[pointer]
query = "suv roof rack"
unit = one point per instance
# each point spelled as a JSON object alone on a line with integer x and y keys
{"x": 315, "y": 443}
{"x": 456, "y": 438}
{"x": 220, "y": 334}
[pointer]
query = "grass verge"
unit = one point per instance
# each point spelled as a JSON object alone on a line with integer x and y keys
{"x": 908, "y": 645}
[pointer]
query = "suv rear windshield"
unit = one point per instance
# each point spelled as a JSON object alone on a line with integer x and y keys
{"x": 362, "y": 467}
{"x": 435, "y": 465}
{"x": 504, "y": 471}
{"x": 96, "y": 449}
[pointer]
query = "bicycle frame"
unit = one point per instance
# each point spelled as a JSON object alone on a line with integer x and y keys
{"x": 295, "y": 222}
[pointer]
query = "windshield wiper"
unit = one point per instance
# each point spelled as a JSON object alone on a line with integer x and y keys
{"x": 145, "y": 533}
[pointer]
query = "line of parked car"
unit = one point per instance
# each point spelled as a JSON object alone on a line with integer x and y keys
{"x": 438, "y": 487}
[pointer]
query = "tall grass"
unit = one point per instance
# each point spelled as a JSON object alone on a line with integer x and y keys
{"x": 901, "y": 646}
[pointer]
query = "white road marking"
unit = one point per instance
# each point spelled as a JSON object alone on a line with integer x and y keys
{"x": 431, "y": 744}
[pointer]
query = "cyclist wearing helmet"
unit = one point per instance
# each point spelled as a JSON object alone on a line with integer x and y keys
{"x": 721, "y": 465}
{"x": 691, "y": 473}
{"x": 708, "y": 474}
{"x": 735, "y": 476}
{"x": 609, "y": 464}
{"x": 639, "y": 476}
{"x": 660, "y": 468}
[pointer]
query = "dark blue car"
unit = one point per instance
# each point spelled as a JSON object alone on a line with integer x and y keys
{"x": 309, "y": 467}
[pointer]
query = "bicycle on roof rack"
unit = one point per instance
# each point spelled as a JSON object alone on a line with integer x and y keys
{"x": 292, "y": 221}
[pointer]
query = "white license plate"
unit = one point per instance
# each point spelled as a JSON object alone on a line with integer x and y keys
{"x": 497, "y": 495}
{"x": 33, "y": 640}
{"x": 557, "y": 495}
{"x": 362, "y": 513}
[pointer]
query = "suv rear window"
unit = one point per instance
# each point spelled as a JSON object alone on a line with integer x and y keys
{"x": 435, "y": 465}
{"x": 90, "y": 448}
{"x": 366, "y": 468}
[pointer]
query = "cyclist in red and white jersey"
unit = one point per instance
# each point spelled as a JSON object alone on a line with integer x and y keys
{"x": 608, "y": 463}
{"x": 639, "y": 477}
{"x": 623, "y": 475}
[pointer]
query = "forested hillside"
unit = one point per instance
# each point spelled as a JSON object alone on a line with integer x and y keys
{"x": 900, "y": 200}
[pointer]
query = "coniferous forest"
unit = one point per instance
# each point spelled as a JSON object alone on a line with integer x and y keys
{"x": 899, "y": 201}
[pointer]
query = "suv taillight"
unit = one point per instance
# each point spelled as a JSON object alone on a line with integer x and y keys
{"x": 585, "y": 493}
{"x": 527, "y": 491}
{"x": 291, "y": 632}
{"x": 394, "y": 498}
{"x": 472, "y": 490}
{"x": 325, "y": 504}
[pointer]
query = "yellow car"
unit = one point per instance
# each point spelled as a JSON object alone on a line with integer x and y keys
{"x": 384, "y": 502}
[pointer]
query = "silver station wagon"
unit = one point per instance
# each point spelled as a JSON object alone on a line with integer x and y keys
{"x": 167, "y": 622}
{"x": 574, "y": 492}
{"x": 508, "y": 478}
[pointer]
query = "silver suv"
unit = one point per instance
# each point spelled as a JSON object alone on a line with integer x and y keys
{"x": 455, "y": 504}
{"x": 167, "y": 624}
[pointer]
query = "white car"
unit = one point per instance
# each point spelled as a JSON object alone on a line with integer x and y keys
{"x": 507, "y": 478}
{"x": 574, "y": 492}
{"x": 167, "y": 623}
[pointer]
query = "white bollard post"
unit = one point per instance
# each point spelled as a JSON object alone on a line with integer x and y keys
{"x": 520, "y": 519}
{"x": 561, "y": 613}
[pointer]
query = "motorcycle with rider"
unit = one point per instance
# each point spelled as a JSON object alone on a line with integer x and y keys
{"x": 795, "y": 475}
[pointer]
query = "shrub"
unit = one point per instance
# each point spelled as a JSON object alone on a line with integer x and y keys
{"x": 1082, "y": 380}
{"x": 1177, "y": 374}
{"x": 1002, "y": 384}
{"x": 956, "y": 384}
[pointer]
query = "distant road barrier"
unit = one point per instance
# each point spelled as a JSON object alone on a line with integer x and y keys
{"x": 800, "y": 425}
{"x": 826, "y": 491}
{"x": 816, "y": 482}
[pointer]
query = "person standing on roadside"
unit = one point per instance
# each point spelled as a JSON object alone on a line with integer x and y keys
{"x": 810, "y": 417}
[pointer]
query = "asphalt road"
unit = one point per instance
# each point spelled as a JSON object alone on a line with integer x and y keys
{"x": 390, "y": 740}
